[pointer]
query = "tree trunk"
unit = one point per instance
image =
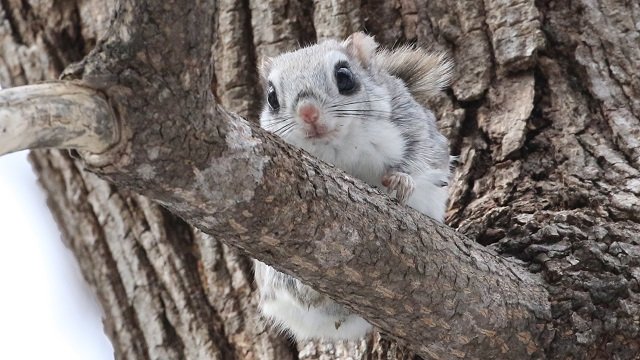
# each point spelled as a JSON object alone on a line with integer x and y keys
{"x": 544, "y": 113}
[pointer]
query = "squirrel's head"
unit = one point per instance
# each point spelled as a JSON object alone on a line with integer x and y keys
{"x": 320, "y": 93}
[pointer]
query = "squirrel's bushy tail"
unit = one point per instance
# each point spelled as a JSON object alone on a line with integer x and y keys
{"x": 424, "y": 73}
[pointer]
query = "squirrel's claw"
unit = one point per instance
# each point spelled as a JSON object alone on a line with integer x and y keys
{"x": 401, "y": 182}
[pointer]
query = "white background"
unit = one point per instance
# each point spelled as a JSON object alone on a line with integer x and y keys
{"x": 46, "y": 311}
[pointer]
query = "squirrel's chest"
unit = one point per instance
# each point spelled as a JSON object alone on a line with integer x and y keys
{"x": 366, "y": 153}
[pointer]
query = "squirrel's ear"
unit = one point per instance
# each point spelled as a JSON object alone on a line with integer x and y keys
{"x": 265, "y": 67}
{"x": 361, "y": 46}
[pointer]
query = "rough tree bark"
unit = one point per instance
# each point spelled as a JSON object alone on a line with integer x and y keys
{"x": 544, "y": 112}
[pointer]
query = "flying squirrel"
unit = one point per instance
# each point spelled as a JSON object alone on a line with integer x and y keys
{"x": 361, "y": 109}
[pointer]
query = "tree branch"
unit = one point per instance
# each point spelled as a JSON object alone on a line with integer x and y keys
{"x": 418, "y": 280}
{"x": 59, "y": 115}
{"x": 414, "y": 278}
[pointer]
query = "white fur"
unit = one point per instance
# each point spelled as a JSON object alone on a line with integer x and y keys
{"x": 428, "y": 198}
{"x": 361, "y": 153}
{"x": 332, "y": 57}
{"x": 304, "y": 323}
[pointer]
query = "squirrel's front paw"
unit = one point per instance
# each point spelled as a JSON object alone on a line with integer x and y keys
{"x": 401, "y": 182}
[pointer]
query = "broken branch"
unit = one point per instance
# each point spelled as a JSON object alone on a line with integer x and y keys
{"x": 55, "y": 115}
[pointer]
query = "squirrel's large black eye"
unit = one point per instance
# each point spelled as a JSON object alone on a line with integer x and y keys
{"x": 272, "y": 98}
{"x": 344, "y": 79}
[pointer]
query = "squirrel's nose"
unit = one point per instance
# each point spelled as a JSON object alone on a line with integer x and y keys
{"x": 309, "y": 113}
